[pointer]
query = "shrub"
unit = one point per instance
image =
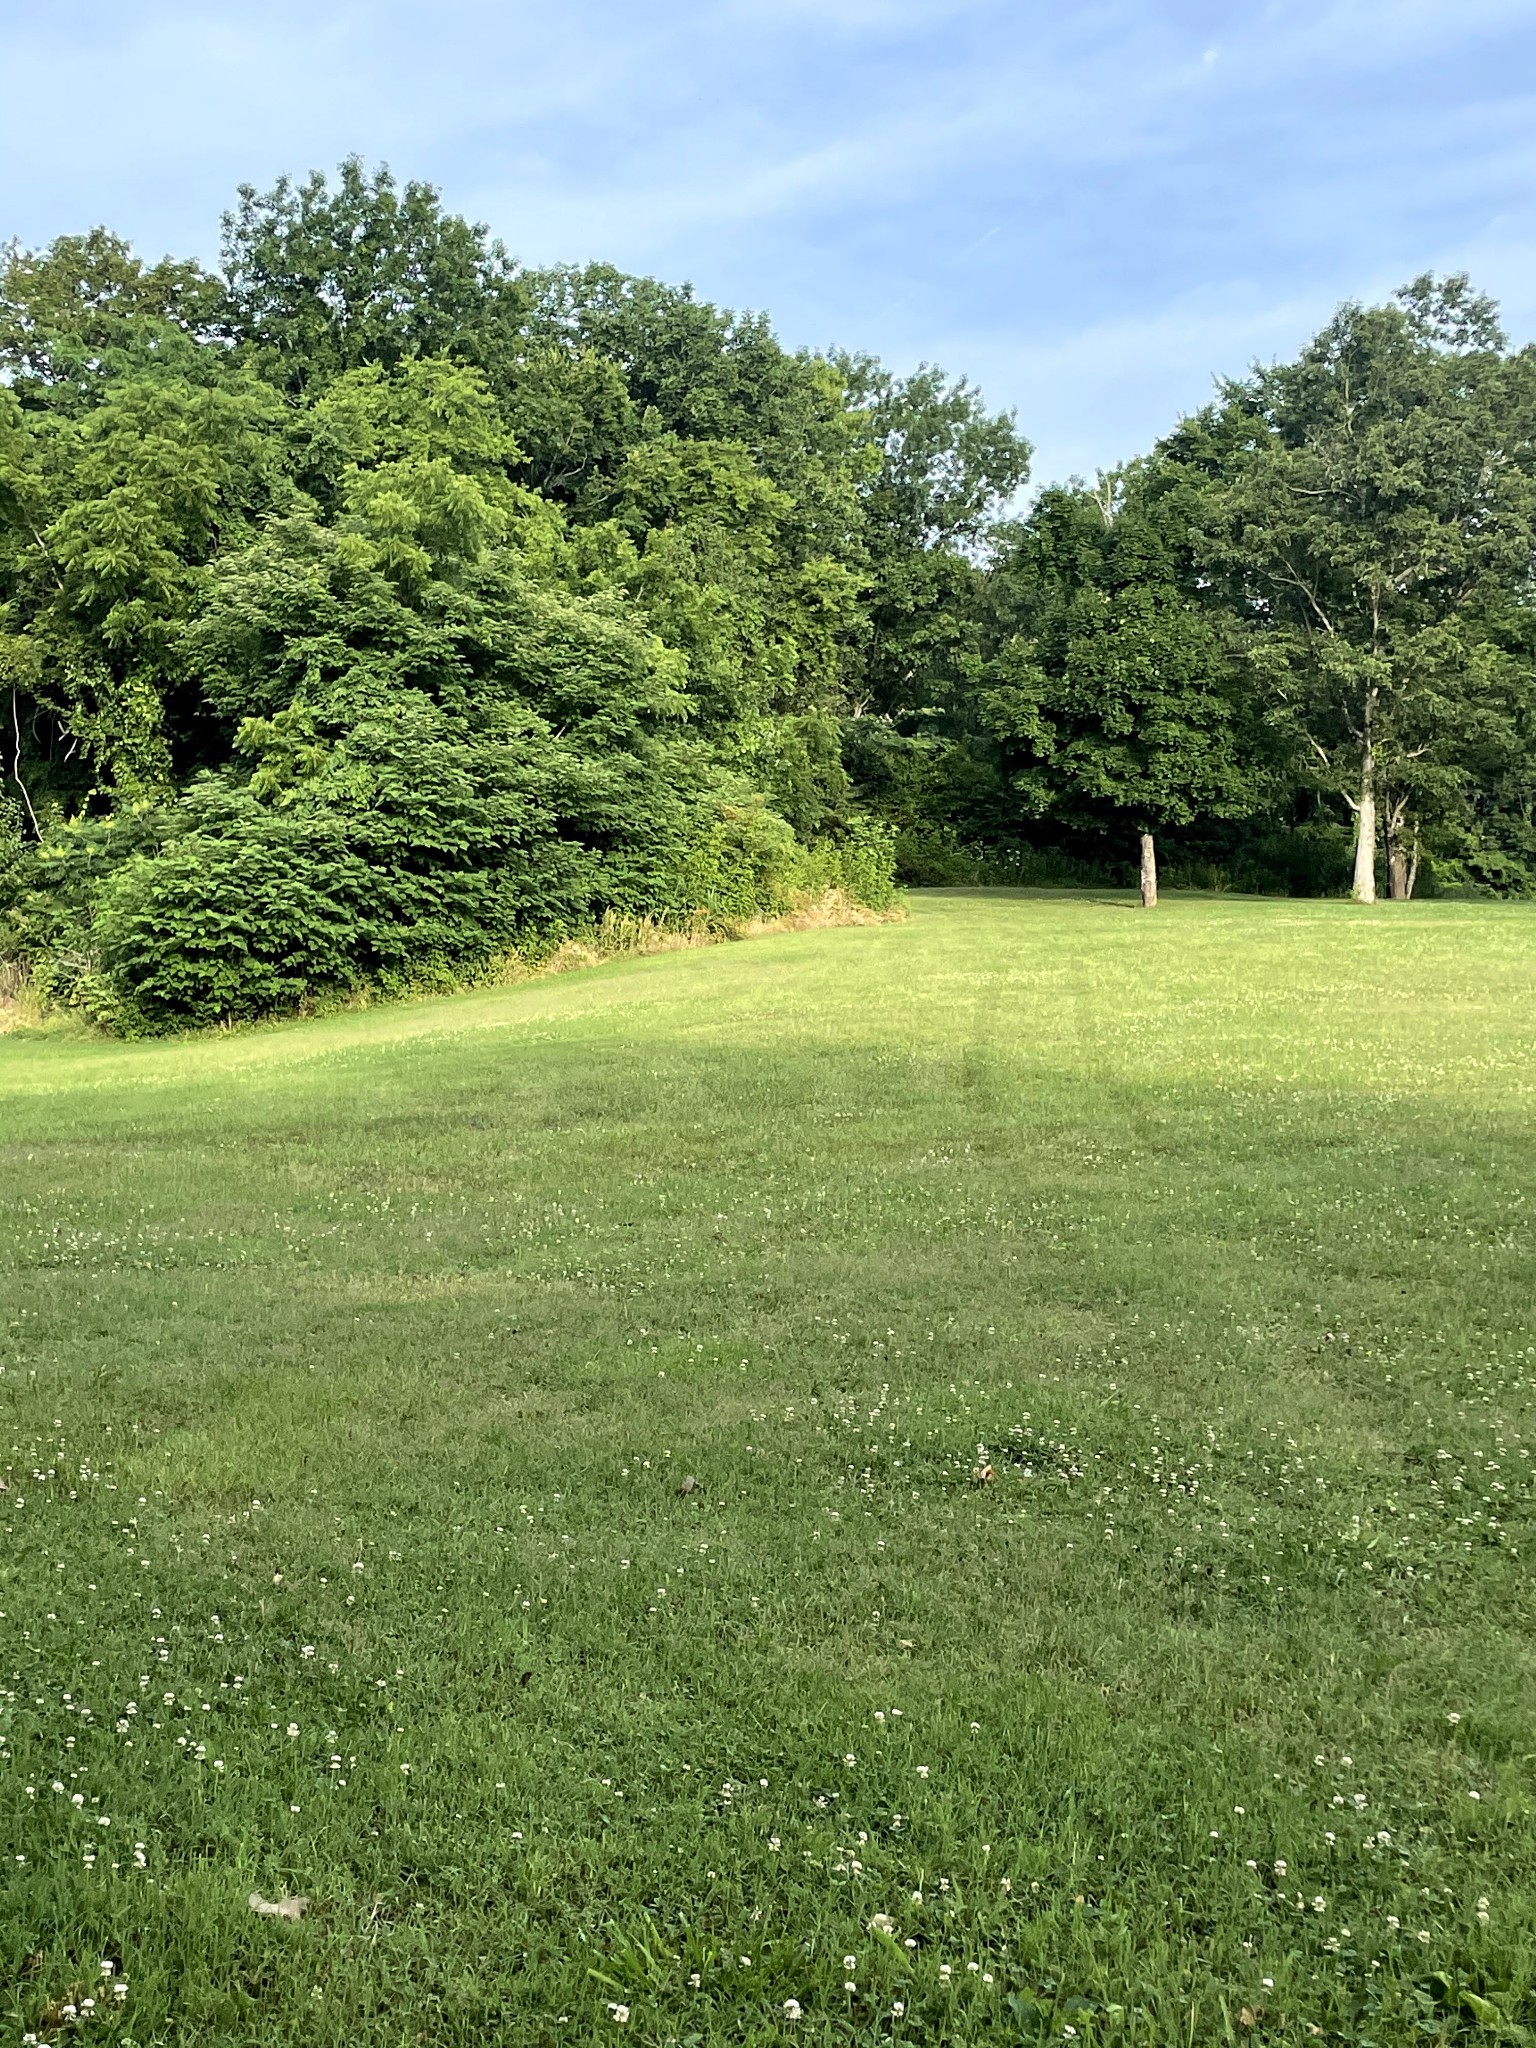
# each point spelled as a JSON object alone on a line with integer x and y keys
{"x": 230, "y": 923}
{"x": 744, "y": 864}
{"x": 70, "y": 977}
{"x": 394, "y": 866}
{"x": 860, "y": 863}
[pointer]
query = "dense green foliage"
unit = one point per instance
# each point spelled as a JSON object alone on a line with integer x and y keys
{"x": 1307, "y": 612}
{"x": 380, "y": 605}
{"x": 351, "y": 1371}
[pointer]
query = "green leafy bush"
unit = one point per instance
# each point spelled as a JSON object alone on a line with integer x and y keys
{"x": 398, "y": 852}
{"x": 248, "y": 911}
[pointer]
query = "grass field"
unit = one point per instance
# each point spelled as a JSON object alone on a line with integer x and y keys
{"x": 354, "y": 1372}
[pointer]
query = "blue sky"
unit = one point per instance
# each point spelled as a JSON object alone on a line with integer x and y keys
{"x": 1091, "y": 210}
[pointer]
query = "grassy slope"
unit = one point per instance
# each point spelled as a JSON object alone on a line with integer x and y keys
{"x": 362, "y": 1361}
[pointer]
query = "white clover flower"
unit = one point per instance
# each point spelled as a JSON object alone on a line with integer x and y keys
{"x": 792, "y": 2010}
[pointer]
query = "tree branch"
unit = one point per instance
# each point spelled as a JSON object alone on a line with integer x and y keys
{"x": 16, "y": 765}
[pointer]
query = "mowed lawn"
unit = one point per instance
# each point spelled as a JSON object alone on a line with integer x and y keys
{"x": 513, "y": 1471}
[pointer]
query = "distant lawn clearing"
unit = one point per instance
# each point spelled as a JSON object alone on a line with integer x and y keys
{"x": 356, "y": 1372}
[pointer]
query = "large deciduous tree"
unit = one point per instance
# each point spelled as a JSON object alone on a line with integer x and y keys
{"x": 1373, "y": 524}
{"x": 1118, "y": 704}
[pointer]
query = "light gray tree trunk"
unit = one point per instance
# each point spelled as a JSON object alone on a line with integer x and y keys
{"x": 1148, "y": 872}
{"x": 1365, "y": 832}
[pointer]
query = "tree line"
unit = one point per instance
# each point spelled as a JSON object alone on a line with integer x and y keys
{"x": 376, "y": 604}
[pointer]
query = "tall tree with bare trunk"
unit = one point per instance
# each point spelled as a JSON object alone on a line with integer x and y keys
{"x": 1375, "y": 518}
